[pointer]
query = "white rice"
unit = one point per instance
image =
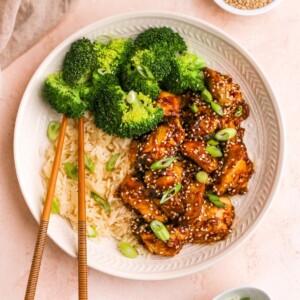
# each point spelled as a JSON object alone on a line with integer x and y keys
{"x": 99, "y": 146}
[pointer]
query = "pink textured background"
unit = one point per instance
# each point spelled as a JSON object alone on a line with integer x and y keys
{"x": 270, "y": 259}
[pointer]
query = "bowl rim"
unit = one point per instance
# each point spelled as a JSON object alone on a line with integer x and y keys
{"x": 239, "y": 288}
{"x": 196, "y": 22}
{"x": 247, "y": 12}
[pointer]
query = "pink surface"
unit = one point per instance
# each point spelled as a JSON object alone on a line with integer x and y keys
{"x": 270, "y": 259}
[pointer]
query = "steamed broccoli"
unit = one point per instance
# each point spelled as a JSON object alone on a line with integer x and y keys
{"x": 154, "y": 63}
{"x": 111, "y": 56}
{"x": 63, "y": 98}
{"x": 79, "y": 62}
{"x": 124, "y": 114}
{"x": 164, "y": 38}
{"x": 131, "y": 79}
{"x": 186, "y": 74}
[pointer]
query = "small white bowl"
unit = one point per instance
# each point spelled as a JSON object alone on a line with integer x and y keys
{"x": 247, "y": 12}
{"x": 243, "y": 292}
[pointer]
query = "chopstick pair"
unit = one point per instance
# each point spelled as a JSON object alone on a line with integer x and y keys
{"x": 42, "y": 234}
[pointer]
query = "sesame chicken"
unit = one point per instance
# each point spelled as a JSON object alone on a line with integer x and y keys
{"x": 213, "y": 224}
{"x": 132, "y": 191}
{"x": 236, "y": 170}
{"x": 165, "y": 162}
{"x": 195, "y": 150}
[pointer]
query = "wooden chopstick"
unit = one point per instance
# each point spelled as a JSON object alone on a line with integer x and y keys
{"x": 42, "y": 234}
{"x": 82, "y": 253}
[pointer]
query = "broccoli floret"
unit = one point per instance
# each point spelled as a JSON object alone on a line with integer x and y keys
{"x": 79, "y": 62}
{"x": 89, "y": 92}
{"x": 139, "y": 81}
{"x": 125, "y": 114}
{"x": 63, "y": 98}
{"x": 154, "y": 63}
{"x": 186, "y": 74}
{"x": 163, "y": 37}
{"x": 110, "y": 57}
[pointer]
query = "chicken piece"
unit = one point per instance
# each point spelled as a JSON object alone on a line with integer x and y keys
{"x": 196, "y": 151}
{"x": 193, "y": 199}
{"x": 161, "y": 180}
{"x": 199, "y": 125}
{"x": 172, "y": 208}
{"x": 236, "y": 170}
{"x": 162, "y": 142}
{"x": 178, "y": 237}
{"x": 213, "y": 224}
{"x": 229, "y": 118}
{"x": 170, "y": 103}
{"x": 222, "y": 88}
{"x": 133, "y": 192}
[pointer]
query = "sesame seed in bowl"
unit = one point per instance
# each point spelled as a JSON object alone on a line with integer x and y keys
{"x": 247, "y": 7}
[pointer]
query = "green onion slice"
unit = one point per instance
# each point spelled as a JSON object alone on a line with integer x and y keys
{"x": 71, "y": 170}
{"x": 145, "y": 72}
{"x": 55, "y": 208}
{"x": 100, "y": 201}
{"x": 110, "y": 165}
{"x": 131, "y": 97}
{"x": 53, "y": 130}
{"x": 206, "y": 96}
{"x": 95, "y": 232}
{"x": 163, "y": 163}
{"x": 214, "y": 151}
{"x": 212, "y": 142}
{"x": 170, "y": 193}
{"x": 202, "y": 177}
{"x": 194, "y": 108}
{"x": 89, "y": 163}
{"x": 127, "y": 250}
{"x": 215, "y": 200}
{"x": 217, "y": 108}
{"x": 160, "y": 230}
{"x": 239, "y": 111}
{"x": 225, "y": 134}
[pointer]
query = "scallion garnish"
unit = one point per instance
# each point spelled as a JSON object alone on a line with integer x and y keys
{"x": 71, "y": 170}
{"x": 239, "y": 111}
{"x": 214, "y": 151}
{"x": 170, "y": 193}
{"x": 212, "y": 142}
{"x": 202, "y": 177}
{"x": 89, "y": 163}
{"x": 163, "y": 163}
{"x": 127, "y": 250}
{"x": 194, "y": 108}
{"x": 110, "y": 165}
{"x": 95, "y": 232}
{"x": 206, "y": 96}
{"x": 53, "y": 130}
{"x": 217, "y": 108}
{"x": 100, "y": 201}
{"x": 225, "y": 134}
{"x": 215, "y": 200}
{"x": 160, "y": 230}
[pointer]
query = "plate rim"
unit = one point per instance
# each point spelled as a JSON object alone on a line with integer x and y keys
{"x": 223, "y": 35}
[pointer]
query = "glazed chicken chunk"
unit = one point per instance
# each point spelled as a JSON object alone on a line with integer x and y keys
{"x": 195, "y": 150}
{"x": 133, "y": 192}
{"x": 178, "y": 237}
{"x": 213, "y": 224}
{"x": 222, "y": 88}
{"x": 236, "y": 170}
{"x": 163, "y": 141}
{"x": 170, "y": 104}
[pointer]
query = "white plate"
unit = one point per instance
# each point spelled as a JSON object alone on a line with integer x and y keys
{"x": 264, "y": 139}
